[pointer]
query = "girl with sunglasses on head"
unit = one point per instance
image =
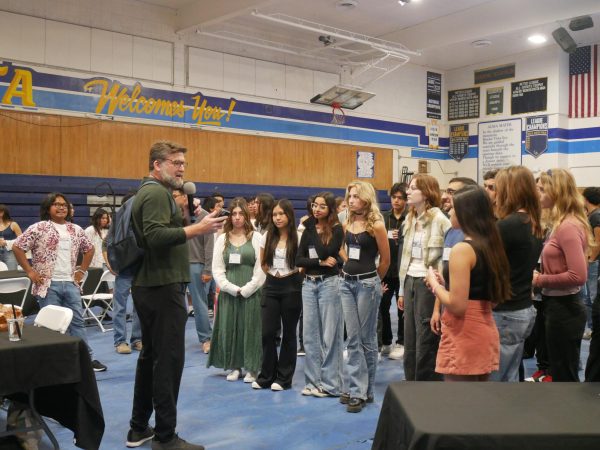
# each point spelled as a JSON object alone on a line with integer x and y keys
{"x": 281, "y": 299}
{"x": 360, "y": 290}
{"x": 322, "y": 310}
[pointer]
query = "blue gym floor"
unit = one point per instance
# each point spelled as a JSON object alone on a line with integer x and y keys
{"x": 231, "y": 415}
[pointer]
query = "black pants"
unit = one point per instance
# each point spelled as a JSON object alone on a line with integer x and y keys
{"x": 281, "y": 303}
{"x": 420, "y": 343}
{"x": 592, "y": 368}
{"x": 565, "y": 324}
{"x": 163, "y": 313}
{"x": 385, "y": 336}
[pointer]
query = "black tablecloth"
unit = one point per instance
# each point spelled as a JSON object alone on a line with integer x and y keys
{"x": 59, "y": 368}
{"x": 461, "y": 415}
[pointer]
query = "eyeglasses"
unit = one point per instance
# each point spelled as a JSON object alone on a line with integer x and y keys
{"x": 177, "y": 163}
{"x": 58, "y": 205}
{"x": 489, "y": 187}
{"x": 450, "y": 191}
{"x": 176, "y": 195}
{"x": 318, "y": 206}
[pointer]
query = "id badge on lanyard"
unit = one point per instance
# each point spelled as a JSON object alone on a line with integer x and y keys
{"x": 312, "y": 252}
{"x": 235, "y": 258}
{"x": 354, "y": 252}
{"x": 278, "y": 263}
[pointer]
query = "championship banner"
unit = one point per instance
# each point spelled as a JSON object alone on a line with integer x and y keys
{"x": 494, "y": 101}
{"x": 459, "y": 141}
{"x": 529, "y": 96}
{"x": 536, "y": 135}
{"x": 434, "y": 95}
{"x": 433, "y": 130}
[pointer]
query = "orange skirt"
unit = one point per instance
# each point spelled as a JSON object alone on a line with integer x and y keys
{"x": 470, "y": 345}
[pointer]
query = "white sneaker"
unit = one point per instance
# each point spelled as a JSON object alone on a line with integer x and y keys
{"x": 255, "y": 385}
{"x": 250, "y": 378}
{"x": 234, "y": 375}
{"x": 385, "y": 350}
{"x": 276, "y": 387}
{"x": 306, "y": 391}
{"x": 397, "y": 352}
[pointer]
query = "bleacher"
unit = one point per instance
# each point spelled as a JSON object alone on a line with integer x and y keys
{"x": 24, "y": 193}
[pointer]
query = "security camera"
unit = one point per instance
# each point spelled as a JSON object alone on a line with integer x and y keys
{"x": 326, "y": 40}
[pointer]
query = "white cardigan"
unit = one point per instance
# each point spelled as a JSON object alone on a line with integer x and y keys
{"x": 220, "y": 274}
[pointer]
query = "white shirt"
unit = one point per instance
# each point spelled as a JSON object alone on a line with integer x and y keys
{"x": 62, "y": 266}
{"x": 280, "y": 266}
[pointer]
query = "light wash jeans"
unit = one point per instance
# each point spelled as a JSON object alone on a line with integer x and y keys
{"x": 67, "y": 294}
{"x": 323, "y": 334}
{"x": 360, "y": 302}
{"x": 513, "y": 327}
{"x": 121, "y": 293}
{"x": 199, "y": 292}
{"x": 8, "y": 258}
{"x": 589, "y": 291}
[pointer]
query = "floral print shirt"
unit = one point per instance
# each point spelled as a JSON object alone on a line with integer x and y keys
{"x": 42, "y": 240}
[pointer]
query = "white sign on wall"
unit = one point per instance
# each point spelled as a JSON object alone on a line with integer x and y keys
{"x": 499, "y": 145}
{"x": 365, "y": 164}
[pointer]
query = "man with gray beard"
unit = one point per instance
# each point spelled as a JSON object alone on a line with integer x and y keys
{"x": 158, "y": 292}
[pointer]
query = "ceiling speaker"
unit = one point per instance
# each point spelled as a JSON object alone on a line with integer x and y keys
{"x": 581, "y": 23}
{"x": 564, "y": 39}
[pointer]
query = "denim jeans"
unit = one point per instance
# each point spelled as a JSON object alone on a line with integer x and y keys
{"x": 589, "y": 291}
{"x": 360, "y": 302}
{"x": 199, "y": 291}
{"x": 8, "y": 258}
{"x": 121, "y": 294}
{"x": 67, "y": 294}
{"x": 323, "y": 334}
{"x": 514, "y": 327}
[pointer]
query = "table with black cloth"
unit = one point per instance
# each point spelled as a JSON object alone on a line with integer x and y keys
{"x": 59, "y": 370}
{"x": 471, "y": 415}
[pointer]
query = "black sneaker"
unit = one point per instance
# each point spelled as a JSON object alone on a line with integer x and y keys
{"x": 98, "y": 366}
{"x": 175, "y": 444}
{"x": 137, "y": 438}
{"x": 355, "y": 405}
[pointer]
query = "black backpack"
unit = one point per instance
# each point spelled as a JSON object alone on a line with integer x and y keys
{"x": 124, "y": 253}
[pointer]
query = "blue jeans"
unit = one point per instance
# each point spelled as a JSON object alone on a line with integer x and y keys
{"x": 589, "y": 291}
{"x": 121, "y": 293}
{"x": 199, "y": 292}
{"x": 360, "y": 302}
{"x": 66, "y": 294}
{"x": 513, "y": 327}
{"x": 8, "y": 258}
{"x": 323, "y": 334}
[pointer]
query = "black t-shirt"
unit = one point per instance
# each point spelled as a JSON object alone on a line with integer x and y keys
{"x": 523, "y": 252}
{"x": 391, "y": 223}
{"x": 310, "y": 238}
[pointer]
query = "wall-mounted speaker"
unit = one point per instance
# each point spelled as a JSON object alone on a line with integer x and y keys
{"x": 564, "y": 39}
{"x": 581, "y": 23}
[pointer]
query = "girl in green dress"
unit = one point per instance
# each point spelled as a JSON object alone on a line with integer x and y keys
{"x": 236, "y": 340}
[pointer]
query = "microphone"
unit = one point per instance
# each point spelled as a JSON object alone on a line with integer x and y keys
{"x": 189, "y": 189}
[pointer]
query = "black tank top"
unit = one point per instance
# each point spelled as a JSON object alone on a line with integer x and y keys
{"x": 368, "y": 253}
{"x": 479, "y": 287}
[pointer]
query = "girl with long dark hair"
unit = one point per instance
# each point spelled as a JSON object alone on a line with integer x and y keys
{"x": 264, "y": 205}
{"x": 9, "y": 231}
{"x": 281, "y": 299}
{"x": 96, "y": 233}
{"x": 321, "y": 307}
{"x": 477, "y": 276}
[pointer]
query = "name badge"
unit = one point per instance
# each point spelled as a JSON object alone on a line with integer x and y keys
{"x": 278, "y": 263}
{"x": 354, "y": 252}
{"x": 390, "y": 234}
{"x": 312, "y": 252}
{"x": 446, "y": 255}
{"x": 235, "y": 258}
{"x": 417, "y": 252}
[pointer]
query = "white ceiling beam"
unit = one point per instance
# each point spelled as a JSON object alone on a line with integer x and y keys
{"x": 491, "y": 18}
{"x": 201, "y": 13}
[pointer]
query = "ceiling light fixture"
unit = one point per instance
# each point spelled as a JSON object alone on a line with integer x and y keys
{"x": 537, "y": 39}
{"x": 403, "y": 2}
{"x": 346, "y": 4}
{"x": 481, "y": 43}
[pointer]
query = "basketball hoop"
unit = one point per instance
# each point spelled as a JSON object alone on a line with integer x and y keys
{"x": 337, "y": 114}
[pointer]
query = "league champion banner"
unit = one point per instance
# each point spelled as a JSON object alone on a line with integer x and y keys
{"x": 459, "y": 141}
{"x": 536, "y": 135}
{"x": 434, "y": 95}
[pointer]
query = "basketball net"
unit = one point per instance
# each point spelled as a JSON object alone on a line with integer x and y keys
{"x": 337, "y": 114}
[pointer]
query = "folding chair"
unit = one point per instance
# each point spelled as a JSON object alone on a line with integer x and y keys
{"x": 103, "y": 300}
{"x": 57, "y": 318}
{"x": 11, "y": 286}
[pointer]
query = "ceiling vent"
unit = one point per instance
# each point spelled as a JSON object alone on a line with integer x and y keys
{"x": 481, "y": 43}
{"x": 346, "y": 4}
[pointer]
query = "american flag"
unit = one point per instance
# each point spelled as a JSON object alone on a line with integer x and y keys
{"x": 583, "y": 82}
